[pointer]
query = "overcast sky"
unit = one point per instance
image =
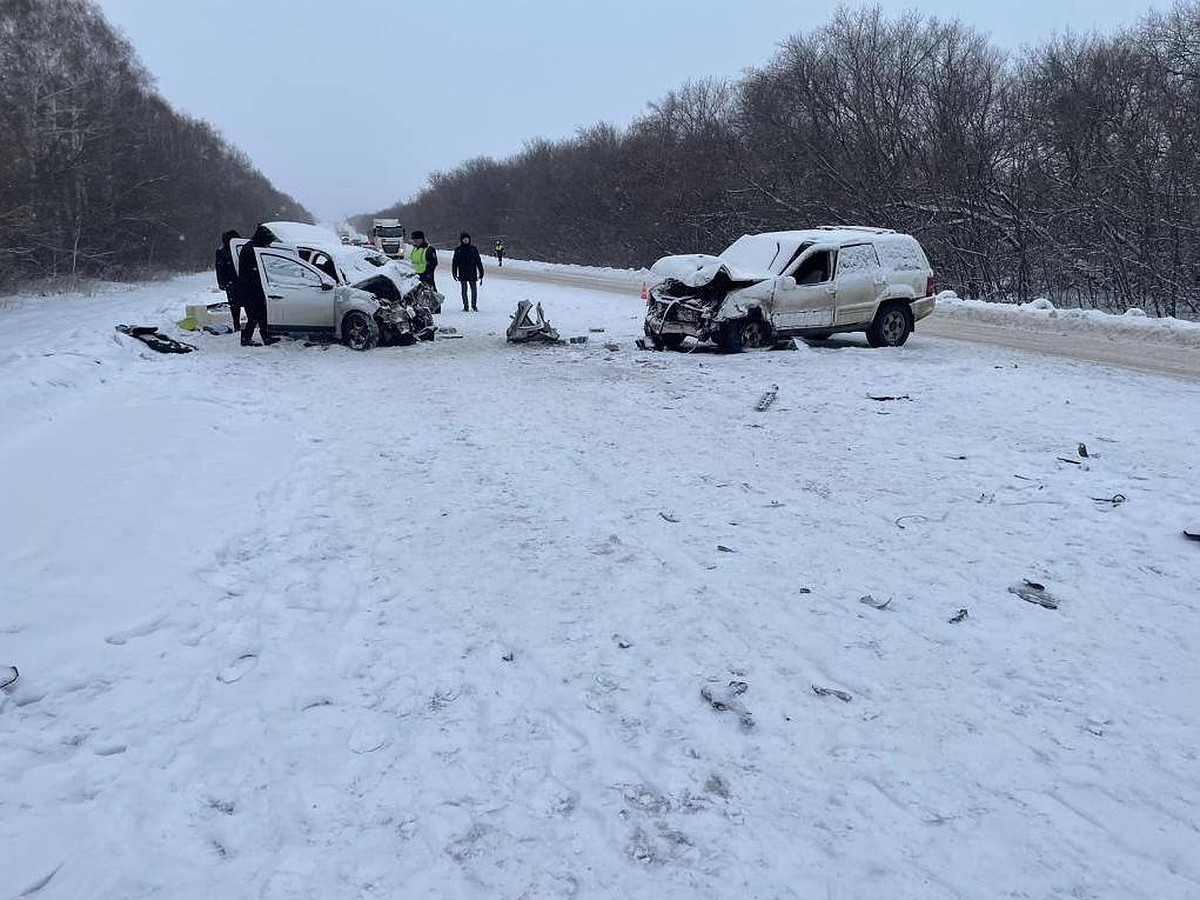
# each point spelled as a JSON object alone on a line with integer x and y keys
{"x": 349, "y": 107}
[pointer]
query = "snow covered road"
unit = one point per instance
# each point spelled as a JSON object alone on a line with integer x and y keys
{"x": 436, "y": 621}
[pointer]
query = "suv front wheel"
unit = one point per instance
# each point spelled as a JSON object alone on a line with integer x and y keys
{"x": 892, "y": 326}
{"x": 751, "y": 333}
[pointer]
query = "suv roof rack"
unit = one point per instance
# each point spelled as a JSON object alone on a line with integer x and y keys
{"x": 868, "y": 228}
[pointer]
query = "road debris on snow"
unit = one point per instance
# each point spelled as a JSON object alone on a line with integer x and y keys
{"x": 529, "y": 325}
{"x": 1032, "y": 592}
{"x": 958, "y": 616}
{"x": 869, "y": 600}
{"x": 8, "y": 675}
{"x": 831, "y": 692}
{"x": 768, "y": 397}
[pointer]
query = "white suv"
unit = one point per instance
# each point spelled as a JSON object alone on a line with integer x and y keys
{"x": 808, "y": 284}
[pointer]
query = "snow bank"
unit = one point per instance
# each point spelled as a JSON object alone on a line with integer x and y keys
{"x": 1041, "y": 314}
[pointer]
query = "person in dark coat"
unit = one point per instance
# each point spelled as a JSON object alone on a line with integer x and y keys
{"x": 467, "y": 269}
{"x": 250, "y": 289}
{"x": 423, "y": 258}
{"x": 227, "y": 279}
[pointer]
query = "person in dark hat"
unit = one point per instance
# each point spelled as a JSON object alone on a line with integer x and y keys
{"x": 227, "y": 279}
{"x": 250, "y": 288}
{"x": 423, "y": 258}
{"x": 467, "y": 269}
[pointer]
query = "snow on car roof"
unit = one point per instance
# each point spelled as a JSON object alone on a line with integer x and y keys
{"x": 300, "y": 233}
{"x": 771, "y": 251}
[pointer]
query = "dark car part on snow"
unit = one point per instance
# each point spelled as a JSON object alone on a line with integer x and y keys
{"x": 1192, "y": 534}
{"x": 1032, "y": 592}
{"x": 8, "y": 676}
{"x": 1114, "y": 500}
{"x": 958, "y": 616}
{"x": 529, "y": 325}
{"x": 768, "y": 397}
{"x": 831, "y": 692}
{"x": 150, "y": 336}
{"x": 869, "y": 600}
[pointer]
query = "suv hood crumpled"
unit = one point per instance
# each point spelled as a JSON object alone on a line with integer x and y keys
{"x": 699, "y": 269}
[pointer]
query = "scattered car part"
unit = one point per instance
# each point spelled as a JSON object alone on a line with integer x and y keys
{"x": 1083, "y": 450}
{"x": 870, "y": 601}
{"x": 831, "y": 692}
{"x": 150, "y": 336}
{"x": 526, "y": 328}
{"x": 1114, "y": 500}
{"x": 1192, "y": 535}
{"x": 768, "y": 397}
{"x": 580, "y": 339}
{"x": 958, "y": 616}
{"x": 883, "y": 398}
{"x": 1032, "y": 592}
{"x": 8, "y": 676}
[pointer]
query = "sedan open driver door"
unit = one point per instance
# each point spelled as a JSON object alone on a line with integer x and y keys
{"x": 299, "y": 297}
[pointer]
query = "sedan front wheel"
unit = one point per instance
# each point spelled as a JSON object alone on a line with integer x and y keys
{"x": 359, "y": 331}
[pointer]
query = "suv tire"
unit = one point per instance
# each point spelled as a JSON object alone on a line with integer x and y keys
{"x": 892, "y": 326}
{"x": 359, "y": 331}
{"x": 750, "y": 333}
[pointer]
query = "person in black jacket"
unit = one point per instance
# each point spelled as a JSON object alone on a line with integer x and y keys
{"x": 250, "y": 289}
{"x": 467, "y": 269}
{"x": 227, "y": 279}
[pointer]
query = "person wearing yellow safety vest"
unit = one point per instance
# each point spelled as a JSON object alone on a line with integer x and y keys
{"x": 423, "y": 258}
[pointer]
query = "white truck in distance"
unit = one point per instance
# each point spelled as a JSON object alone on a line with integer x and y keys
{"x": 388, "y": 237}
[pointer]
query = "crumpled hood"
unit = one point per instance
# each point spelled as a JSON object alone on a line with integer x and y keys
{"x": 699, "y": 269}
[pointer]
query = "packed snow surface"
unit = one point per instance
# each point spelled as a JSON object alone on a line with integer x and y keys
{"x": 466, "y": 619}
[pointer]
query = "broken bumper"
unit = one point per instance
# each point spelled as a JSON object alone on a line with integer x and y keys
{"x": 676, "y": 317}
{"x": 923, "y": 307}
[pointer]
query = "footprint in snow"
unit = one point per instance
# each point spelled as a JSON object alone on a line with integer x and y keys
{"x": 238, "y": 669}
{"x": 141, "y": 629}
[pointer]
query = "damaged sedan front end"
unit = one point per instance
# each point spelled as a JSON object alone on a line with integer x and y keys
{"x": 403, "y": 322}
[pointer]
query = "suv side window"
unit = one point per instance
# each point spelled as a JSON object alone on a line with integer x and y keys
{"x": 284, "y": 272}
{"x": 857, "y": 258}
{"x": 816, "y": 269}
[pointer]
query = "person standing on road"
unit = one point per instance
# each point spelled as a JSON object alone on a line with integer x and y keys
{"x": 250, "y": 289}
{"x": 465, "y": 268}
{"x": 227, "y": 278}
{"x": 424, "y": 259}
{"x": 500, "y": 254}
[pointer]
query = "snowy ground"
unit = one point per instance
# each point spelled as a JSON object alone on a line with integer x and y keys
{"x": 435, "y": 621}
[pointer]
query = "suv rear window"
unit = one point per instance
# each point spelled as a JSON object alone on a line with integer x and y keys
{"x": 902, "y": 254}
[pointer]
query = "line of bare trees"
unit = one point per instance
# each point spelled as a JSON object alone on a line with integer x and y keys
{"x": 98, "y": 175}
{"x": 1069, "y": 170}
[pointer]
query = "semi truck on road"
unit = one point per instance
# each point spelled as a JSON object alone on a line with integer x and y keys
{"x": 388, "y": 236}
